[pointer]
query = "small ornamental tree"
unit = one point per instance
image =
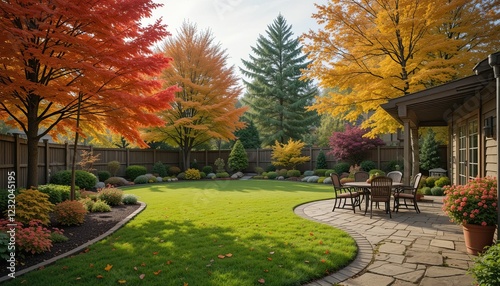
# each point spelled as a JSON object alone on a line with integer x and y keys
{"x": 238, "y": 158}
{"x": 351, "y": 145}
{"x": 321, "y": 161}
{"x": 288, "y": 155}
{"x": 429, "y": 152}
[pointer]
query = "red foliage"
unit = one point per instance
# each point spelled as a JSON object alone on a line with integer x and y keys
{"x": 351, "y": 144}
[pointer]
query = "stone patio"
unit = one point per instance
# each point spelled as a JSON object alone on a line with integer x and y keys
{"x": 410, "y": 249}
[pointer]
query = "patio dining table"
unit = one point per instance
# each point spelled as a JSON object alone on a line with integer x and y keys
{"x": 365, "y": 187}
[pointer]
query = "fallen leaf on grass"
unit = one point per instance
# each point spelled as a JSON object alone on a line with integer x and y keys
{"x": 99, "y": 276}
{"x": 221, "y": 256}
{"x": 155, "y": 253}
{"x": 91, "y": 265}
{"x": 108, "y": 267}
{"x": 186, "y": 284}
{"x": 78, "y": 278}
{"x": 157, "y": 272}
{"x": 169, "y": 262}
{"x": 122, "y": 281}
{"x": 142, "y": 276}
{"x": 323, "y": 260}
{"x": 327, "y": 251}
{"x": 272, "y": 252}
{"x": 65, "y": 267}
{"x": 143, "y": 264}
{"x": 307, "y": 261}
{"x": 261, "y": 281}
{"x": 311, "y": 234}
{"x": 135, "y": 268}
{"x": 269, "y": 258}
{"x": 321, "y": 242}
{"x": 266, "y": 270}
{"x": 229, "y": 255}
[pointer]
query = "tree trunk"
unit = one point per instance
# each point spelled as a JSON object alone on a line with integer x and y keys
{"x": 32, "y": 159}
{"x": 186, "y": 157}
{"x": 72, "y": 195}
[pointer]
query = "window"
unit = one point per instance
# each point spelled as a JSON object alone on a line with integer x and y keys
{"x": 468, "y": 151}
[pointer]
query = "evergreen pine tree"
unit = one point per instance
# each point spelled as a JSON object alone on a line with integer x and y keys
{"x": 429, "y": 152}
{"x": 275, "y": 94}
{"x": 238, "y": 158}
{"x": 249, "y": 136}
{"x": 321, "y": 161}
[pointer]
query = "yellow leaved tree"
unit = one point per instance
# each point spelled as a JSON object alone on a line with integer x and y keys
{"x": 288, "y": 155}
{"x": 369, "y": 52}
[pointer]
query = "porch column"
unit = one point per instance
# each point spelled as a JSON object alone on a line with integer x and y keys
{"x": 416, "y": 152}
{"x": 407, "y": 151}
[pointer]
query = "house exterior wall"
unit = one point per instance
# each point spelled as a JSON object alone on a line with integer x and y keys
{"x": 479, "y": 107}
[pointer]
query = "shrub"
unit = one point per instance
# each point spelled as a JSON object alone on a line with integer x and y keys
{"x": 192, "y": 174}
{"x": 272, "y": 175}
{"x": 320, "y": 172}
{"x": 430, "y": 181}
{"x": 342, "y": 167}
{"x": 112, "y": 196}
{"x": 83, "y": 179}
{"x": 211, "y": 176}
{"x": 219, "y": 163}
{"x": 4, "y": 245}
{"x": 321, "y": 179}
{"x": 376, "y": 172}
{"x": 203, "y": 175}
{"x": 207, "y": 169}
{"x": 129, "y": 199}
{"x": 181, "y": 176}
{"x": 87, "y": 203}
{"x": 57, "y": 193}
{"x": 33, "y": 205}
{"x": 437, "y": 191}
{"x": 329, "y": 172}
{"x": 308, "y": 173}
{"x": 89, "y": 194}
{"x": 113, "y": 167}
{"x": 134, "y": 171}
{"x": 142, "y": 179}
{"x": 259, "y": 170}
{"x": 103, "y": 175}
{"x": 271, "y": 168}
{"x": 282, "y": 172}
{"x": 70, "y": 212}
{"x": 174, "y": 171}
{"x": 100, "y": 207}
{"x": 293, "y": 173}
{"x": 238, "y": 158}
{"x": 442, "y": 181}
{"x": 160, "y": 169}
{"x": 426, "y": 191}
{"x": 31, "y": 237}
{"x": 394, "y": 165}
{"x": 57, "y": 236}
{"x": 485, "y": 268}
{"x": 346, "y": 180}
{"x": 116, "y": 181}
{"x": 367, "y": 165}
{"x": 222, "y": 175}
{"x": 288, "y": 154}
{"x": 321, "y": 160}
{"x": 194, "y": 164}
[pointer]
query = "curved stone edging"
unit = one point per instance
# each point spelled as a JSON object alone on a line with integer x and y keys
{"x": 79, "y": 248}
{"x": 363, "y": 257}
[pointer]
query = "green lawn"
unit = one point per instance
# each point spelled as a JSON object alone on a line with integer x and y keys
{"x": 177, "y": 239}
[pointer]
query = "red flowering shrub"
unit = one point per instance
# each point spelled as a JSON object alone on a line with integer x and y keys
{"x": 473, "y": 203}
{"x": 34, "y": 238}
{"x": 70, "y": 212}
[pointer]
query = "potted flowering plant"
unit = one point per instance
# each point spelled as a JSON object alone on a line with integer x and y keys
{"x": 474, "y": 206}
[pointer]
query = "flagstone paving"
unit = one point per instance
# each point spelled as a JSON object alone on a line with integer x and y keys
{"x": 410, "y": 249}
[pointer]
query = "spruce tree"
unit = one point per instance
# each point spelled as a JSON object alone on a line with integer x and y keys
{"x": 429, "y": 152}
{"x": 321, "y": 161}
{"x": 275, "y": 94}
{"x": 249, "y": 136}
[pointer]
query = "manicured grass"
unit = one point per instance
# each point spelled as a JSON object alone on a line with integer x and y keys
{"x": 177, "y": 239}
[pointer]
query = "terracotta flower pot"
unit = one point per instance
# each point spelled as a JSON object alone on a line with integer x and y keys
{"x": 477, "y": 237}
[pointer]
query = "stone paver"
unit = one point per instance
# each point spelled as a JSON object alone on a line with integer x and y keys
{"x": 410, "y": 249}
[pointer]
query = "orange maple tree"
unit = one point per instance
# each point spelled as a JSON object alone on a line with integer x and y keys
{"x": 205, "y": 108}
{"x": 60, "y": 58}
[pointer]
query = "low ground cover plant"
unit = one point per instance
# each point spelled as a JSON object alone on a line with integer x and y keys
{"x": 228, "y": 232}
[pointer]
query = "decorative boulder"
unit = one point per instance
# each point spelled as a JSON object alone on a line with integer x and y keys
{"x": 313, "y": 179}
{"x": 100, "y": 185}
{"x": 280, "y": 178}
{"x": 327, "y": 180}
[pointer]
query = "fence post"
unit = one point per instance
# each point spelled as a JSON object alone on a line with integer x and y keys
{"x": 47, "y": 162}
{"x": 311, "y": 156}
{"x": 17, "y": 157}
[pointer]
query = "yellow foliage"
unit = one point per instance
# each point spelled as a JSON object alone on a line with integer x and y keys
{"x": 369, "y": 52}
{"x": 288, "y": 155}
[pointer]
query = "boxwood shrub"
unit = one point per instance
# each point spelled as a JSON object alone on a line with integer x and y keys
{"x": 135, "y": 171}
{"x": 83, "y": 179}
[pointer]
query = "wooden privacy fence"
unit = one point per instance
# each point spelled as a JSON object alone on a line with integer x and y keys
{"x": 56, "y": 157}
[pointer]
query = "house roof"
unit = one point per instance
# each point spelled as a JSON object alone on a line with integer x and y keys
{"x": 434, "y": 106}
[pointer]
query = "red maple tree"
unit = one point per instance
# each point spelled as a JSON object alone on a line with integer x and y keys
{"x": 90, "y": 57}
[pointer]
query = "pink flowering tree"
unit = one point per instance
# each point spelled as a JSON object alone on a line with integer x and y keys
{"x": 351, "y": 145}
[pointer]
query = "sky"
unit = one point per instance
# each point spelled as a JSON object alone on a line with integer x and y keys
{"x": 236, "y": 24}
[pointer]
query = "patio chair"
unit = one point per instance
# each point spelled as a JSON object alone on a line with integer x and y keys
{"x": 361, "y": 176}
{"x": 380, "y": 192}
{"x": 396, "y": 176}
{"x": 408, "y": 193}
{"x": 344, "y": 196}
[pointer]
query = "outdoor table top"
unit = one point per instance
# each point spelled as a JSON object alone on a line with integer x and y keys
{"x": 366, "y": 185}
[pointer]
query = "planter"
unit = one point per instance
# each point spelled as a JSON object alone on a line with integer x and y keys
{"x": 477, "y": 237}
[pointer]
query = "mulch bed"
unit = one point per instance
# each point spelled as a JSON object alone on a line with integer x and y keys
{"x": 95, "y": 224}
